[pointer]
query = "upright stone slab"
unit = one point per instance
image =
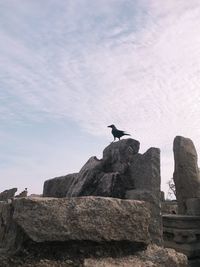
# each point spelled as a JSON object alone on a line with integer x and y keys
{"x": 186, "y": 174}
{"x": 145, "y": 172}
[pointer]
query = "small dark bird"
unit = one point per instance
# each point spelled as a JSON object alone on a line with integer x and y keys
{"x": 117, "y": 133}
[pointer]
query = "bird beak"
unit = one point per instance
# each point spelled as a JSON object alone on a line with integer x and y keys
{"x": 109, "y": 126}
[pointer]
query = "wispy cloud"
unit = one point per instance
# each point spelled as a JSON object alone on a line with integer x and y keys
{"x": 133, "y": 63}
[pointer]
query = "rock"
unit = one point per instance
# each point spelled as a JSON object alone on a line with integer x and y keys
{"x": 58, "y": 187}
{"x": 193, "y": 206}
{"x": 122, "y": 169}
{"x": 106, "y": 177}
{"x": 145, "y": 170}
{"x": 24, "y": 193}
{"x": 182, "y": 232}
{"x": 169, "y": 207}
{"x": 154, "y": 256}
{"x": 88, "y": 176}
{"x": 85, "y": 218}
{"x": 93, "y": 181}
{"x": 155, "y": 227}
{"x": 118, "y": 155}
{"x": 8, "y": 194}
{"x": 186, "y": 174}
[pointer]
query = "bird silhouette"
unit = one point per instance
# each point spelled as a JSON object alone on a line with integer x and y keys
{"x": 117, "y": 133}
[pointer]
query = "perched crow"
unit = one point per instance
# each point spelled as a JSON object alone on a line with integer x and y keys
{"x": 117, "y": 133}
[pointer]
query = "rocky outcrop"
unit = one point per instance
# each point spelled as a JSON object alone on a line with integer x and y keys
{"x": 186, "y": 174}
{"x": 108, "y": 177}
{"x": 7, "y": 194}
{"x": 121, "y": 173}
{"x": 122, "y": 168}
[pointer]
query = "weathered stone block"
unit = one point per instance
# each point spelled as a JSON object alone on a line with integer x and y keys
{"x": 145, "y": 170}
{"x": 186, "y": 174}
{"x": 155, "y": 227}
{"x": 85, "y": 218}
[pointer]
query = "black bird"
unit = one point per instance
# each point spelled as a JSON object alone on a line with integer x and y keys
{"x": 117, "y": 133}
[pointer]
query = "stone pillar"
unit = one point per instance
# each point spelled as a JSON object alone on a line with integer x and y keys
{"x": 186, "y": 174}
{"x": 145, "y": 172}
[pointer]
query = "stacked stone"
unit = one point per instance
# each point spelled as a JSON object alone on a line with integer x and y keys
{"x": 122, "y": 173}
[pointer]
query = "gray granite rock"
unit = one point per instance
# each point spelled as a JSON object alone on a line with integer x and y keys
{"x": 186, "y": 174}
{"x": 8, "y": 194}
{"x": 58, "y": 187}
{"x": 94, "y": 219}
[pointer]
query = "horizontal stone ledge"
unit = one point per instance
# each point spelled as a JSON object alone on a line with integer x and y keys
{"x": 96, "y": 219}
{"x": 181, "y": 221}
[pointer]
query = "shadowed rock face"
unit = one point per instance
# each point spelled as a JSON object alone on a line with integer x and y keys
{"x": 58, "y": 187}
{"x": 186, "y": 174}
{"x": 122, "y": 168}
{"x": 109, "y": 176}
{"x": 7, "y": 194}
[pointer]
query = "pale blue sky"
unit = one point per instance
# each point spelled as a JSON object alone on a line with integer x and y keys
{"x": 69, "y": 68}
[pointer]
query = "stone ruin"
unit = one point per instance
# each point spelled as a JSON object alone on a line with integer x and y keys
{"x": 108, "y": 214}
{"x": 182, "y": 231}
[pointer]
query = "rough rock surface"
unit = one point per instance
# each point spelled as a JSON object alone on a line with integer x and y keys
{"x": 7, "y": 194}
{"x": 95, "y": 219}
{"x": 155, "y": 227}
{"x": 186, "y": 174}
{"x": 152, "y": 257}
{"x": 106, "y": 177}
{"x": 122, "y": 168}
{"x": 58, "y": 187}
{"x": 145, "y": 169}
{"x": 169, "y": 207}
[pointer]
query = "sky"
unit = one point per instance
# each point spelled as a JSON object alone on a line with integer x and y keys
{"x": 70, "y": 68}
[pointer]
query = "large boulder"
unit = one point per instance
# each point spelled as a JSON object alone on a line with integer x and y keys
{"x": 106, "y": 177}
{"x": 85, "y": 218}
{"x": 8, "y": 194}
{"x": 186, "y": 174}
{"x": 122, "y": 168}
